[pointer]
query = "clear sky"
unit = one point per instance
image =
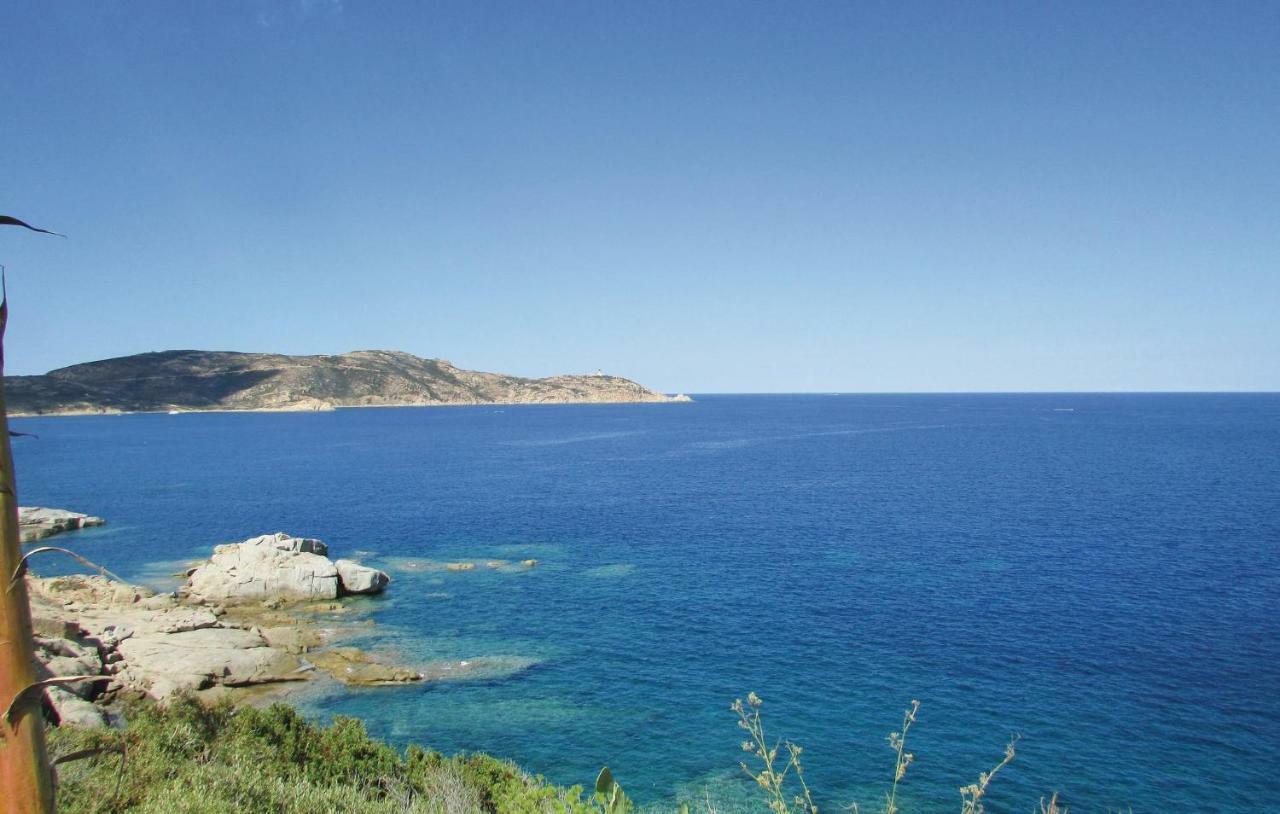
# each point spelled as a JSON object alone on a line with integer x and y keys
{"x": 739, "y": 197}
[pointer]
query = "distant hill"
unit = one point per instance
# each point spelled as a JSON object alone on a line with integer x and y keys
{"x": 217, "y": 380}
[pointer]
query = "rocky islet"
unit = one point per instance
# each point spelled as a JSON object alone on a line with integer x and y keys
{"x": 37, "y": 523}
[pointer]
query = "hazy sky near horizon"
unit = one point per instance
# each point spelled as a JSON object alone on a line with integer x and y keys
{"x": 706, "y": 197}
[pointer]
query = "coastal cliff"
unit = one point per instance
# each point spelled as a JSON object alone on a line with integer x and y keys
{"x": 217, "y": 380}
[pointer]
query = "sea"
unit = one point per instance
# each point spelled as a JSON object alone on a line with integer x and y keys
{"x": 1095, "y": 576}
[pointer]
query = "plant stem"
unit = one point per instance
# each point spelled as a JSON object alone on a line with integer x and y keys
{"x": 24, "y": 767}
{"x": 899, "y": 767}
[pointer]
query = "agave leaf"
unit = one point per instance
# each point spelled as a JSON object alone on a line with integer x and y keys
{"x": 84, "y": 753}
{"x": 6, "y": 220}
{"x": 21, "y": 570}
{"x": 604, "y": 781}
{"x": 610, "y": 794}
{"x": 34, "y": 690}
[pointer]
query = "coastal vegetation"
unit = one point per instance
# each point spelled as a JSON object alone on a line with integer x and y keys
{"x": 190, "y": 758}
{"x": 186, "y": 758}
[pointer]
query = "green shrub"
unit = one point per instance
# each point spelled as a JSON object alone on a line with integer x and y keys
{"x": 189, "y": 759}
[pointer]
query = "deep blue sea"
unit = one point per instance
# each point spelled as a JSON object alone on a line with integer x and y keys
{"x": 1098, "y": 574}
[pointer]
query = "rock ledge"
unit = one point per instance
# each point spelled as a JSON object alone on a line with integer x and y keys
{"x": 37, "y": 522}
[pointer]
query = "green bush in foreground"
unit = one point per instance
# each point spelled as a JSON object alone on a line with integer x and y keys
{"x": 189, "y": 759}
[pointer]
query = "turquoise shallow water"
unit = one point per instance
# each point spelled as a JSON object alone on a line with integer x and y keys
{"x": 1098, "y": 574}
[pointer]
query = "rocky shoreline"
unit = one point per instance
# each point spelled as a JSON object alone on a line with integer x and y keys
{"x": 256, "y": 615}
{"x": 318, "y": 406}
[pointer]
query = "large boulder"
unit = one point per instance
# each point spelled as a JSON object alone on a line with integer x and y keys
{"x": 355, "y": 578}
{"x": 273, "y": 565}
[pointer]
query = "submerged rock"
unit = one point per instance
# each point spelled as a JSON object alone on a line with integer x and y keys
{"x": 480, "y": 668}
{"x": 37, "y": 522}
{"x": 353, "y": 666}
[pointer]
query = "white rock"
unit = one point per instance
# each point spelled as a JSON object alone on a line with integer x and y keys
{"x": 273, "y": 565}
{"x": 360, "y": 579}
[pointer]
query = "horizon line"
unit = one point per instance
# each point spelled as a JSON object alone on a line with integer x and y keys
{"x": 979, "y": 392}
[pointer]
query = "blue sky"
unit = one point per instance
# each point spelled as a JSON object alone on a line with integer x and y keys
{"x": 703, "y": 196}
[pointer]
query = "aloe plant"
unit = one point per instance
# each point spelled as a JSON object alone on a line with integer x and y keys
{"x": 613, "y": 800}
